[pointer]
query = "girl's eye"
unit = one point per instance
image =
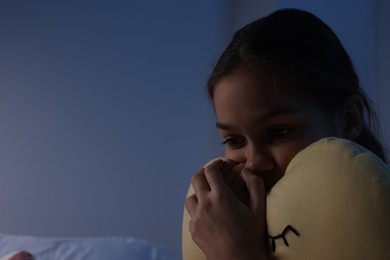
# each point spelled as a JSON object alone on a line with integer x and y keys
{"x": 234, "y": 142}
{"x": 280, "y": 133}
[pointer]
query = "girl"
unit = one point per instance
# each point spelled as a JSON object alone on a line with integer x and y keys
{"x": 284, "y": 82}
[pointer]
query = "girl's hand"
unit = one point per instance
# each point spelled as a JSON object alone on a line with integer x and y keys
{"x": 231, "y": 172}
{"x": 221, "y": 224}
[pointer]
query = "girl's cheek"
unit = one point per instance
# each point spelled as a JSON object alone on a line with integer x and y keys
{"x": 284, "y": 155}
{"x": 234, "y": 155}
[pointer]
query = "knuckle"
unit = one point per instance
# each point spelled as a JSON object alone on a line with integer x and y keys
{"x": 196, "y": 227}
{"x": 207, "y": 205}
{"x": 207, "y": 170}
{"x": 219, "y": 197}
{"x": 214, "y": 165}
{"x": 190, "y": 202}
{"x": 197, "y": 176}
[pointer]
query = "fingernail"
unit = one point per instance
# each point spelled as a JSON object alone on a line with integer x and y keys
{"x": 220, "y": 164}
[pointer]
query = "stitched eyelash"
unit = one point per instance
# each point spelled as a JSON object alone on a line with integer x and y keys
{"x": 283, "y": 236}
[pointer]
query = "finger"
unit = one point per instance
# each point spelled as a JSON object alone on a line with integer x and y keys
{"x": 257, "y": 192}
{"x": 213, "y": 175}
{"x": 213, "y": 161}
{"x": 228, "y": 165}
{"x": 234, "y": 173}
{"x": 199, "y": 183}
{"x": 191, "y": 204}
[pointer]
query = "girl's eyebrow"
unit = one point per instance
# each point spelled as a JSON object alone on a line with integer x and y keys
{"x": 223, "y": 126}
{"x": 277, "y": 112}
{"x": 263, "y": 117}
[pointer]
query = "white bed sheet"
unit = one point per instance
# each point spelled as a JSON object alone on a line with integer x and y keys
{"x": 92, "y": 248}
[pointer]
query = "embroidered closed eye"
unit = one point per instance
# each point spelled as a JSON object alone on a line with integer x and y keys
{"x": 283, "y": 236}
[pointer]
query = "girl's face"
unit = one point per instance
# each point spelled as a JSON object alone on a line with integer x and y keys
{"x": 263, "y": 125}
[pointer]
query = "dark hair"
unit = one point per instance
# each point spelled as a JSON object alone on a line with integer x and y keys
{"x": 302, "y": 51}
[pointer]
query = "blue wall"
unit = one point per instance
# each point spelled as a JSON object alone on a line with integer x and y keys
{"x": 382, "y": 68}
{"x": 103, "y": 114}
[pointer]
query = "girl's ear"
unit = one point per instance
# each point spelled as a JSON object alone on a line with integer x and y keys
{"x": 353, "y": 117}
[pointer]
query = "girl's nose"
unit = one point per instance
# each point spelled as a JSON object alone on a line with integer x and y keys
{"x": 259, "y": 161}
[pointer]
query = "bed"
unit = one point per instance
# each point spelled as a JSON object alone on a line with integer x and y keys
{"x": 82, "y": 248}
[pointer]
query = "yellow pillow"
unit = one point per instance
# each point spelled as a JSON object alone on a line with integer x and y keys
{"x": 332, "y": 203}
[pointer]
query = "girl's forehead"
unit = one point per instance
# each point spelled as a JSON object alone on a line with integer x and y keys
{"x": 257, "y": 81}
{"x": 250, "y": 82}
{"x": 248, "y": 90}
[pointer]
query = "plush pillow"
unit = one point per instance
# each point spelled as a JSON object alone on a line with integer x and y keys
{"x": 332, "y": 203}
